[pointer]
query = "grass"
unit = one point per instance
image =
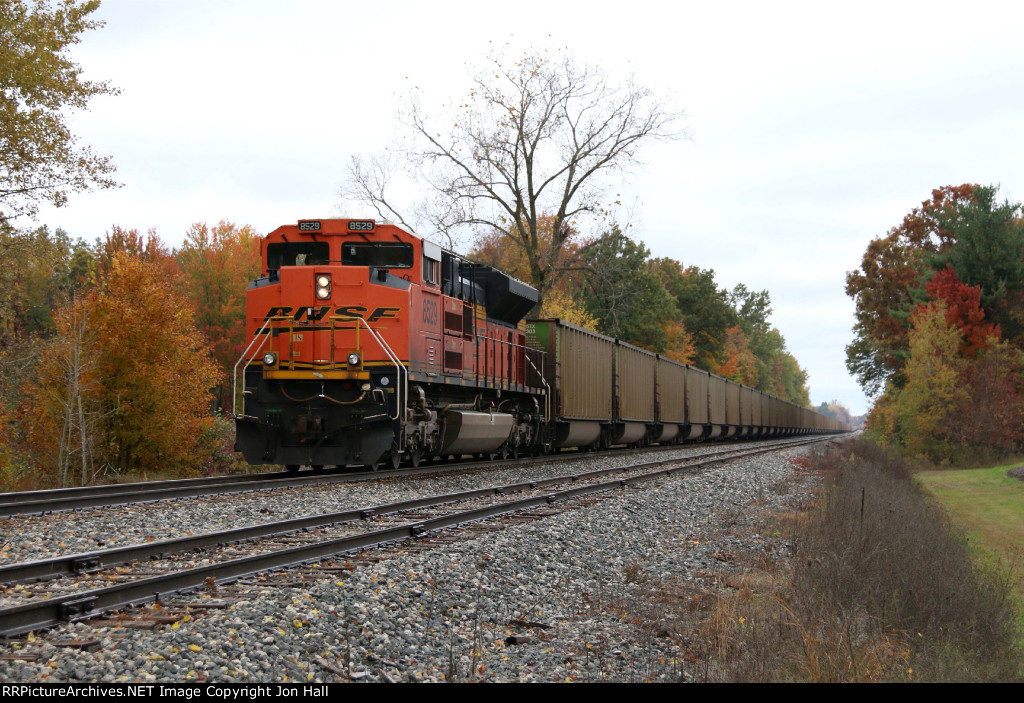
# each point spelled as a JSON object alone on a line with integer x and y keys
{"x": 990, "y": 508}
{"x": 988, "y": 504}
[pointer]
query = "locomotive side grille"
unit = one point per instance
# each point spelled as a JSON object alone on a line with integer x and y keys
{"x": 452, "y": 322}
{"x": 452, "y": 360}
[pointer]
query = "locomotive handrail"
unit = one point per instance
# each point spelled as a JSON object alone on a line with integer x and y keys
{"x": 540, "y": 374}
{"x": 234, "y": 373}
{"x": 512, "y": 345}
{"x": 402, "y": 372}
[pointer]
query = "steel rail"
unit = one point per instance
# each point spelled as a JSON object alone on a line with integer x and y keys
{"x": 66, "y": 499}
{"x": 89, "y": 562}
{"x": 20, "y": 497}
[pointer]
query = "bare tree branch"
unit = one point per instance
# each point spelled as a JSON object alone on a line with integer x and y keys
{"x": 535, "y": 136}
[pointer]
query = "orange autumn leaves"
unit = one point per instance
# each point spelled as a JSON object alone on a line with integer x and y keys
{"x": 123, "y": 379}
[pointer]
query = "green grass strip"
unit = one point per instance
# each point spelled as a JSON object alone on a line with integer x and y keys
{"x": 989, "y": 506}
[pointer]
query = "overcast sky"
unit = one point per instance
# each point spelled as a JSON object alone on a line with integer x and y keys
{"x": 815, "y": 126}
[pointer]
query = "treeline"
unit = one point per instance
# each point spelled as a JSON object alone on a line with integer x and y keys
{"x": 837, "y": 411}
{"x": 611, "y": 284}
{"x": 114, "y": 353}
{"x": 940, "y": 328}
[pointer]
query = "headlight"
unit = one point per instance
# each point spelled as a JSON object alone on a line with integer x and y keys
{"x": 270, "y": 358}
{"x": 353, "y": 359}
{"x": 323, "y": 286}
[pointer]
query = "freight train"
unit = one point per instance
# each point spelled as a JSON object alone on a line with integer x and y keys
{"x": 368, "y": 345}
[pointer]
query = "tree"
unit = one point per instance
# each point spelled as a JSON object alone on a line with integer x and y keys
{"x": 133, "y": 244}
{"x": 40, "y": 270}
{"x": 963, "y": 311}
{"x": 39, "y": 157}
{"x": 153, "y": 369}
{"x": 987, "y": 251}
{"x": 740, "y": 364}
{"x": 752, "y": 308}
{"x": 535, "y": 135}
{"x": 216, "y": 264}
{"x": 704, "y": 307}
{"x": 61, "y": 400}
{"x": 882, "y": 288}
{"x": 627, "y": 299}
{"x": 962, "y": 227}
{"x": 913, "y": 415}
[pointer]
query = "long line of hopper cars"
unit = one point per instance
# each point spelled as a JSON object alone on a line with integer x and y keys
{"x": 368, "y": 345}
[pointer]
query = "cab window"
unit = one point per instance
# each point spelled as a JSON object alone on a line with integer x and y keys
{"x": 386, "y": 255}
{"x": 297, "y": 254}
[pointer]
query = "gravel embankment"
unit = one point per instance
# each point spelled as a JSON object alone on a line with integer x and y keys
{"x": 446, "y": 613}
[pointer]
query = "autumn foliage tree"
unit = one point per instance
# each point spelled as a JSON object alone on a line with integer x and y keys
{"x": 913, "y": 416}
{"x": 106, "y": 351}
{"x": 156, "y": 376}
{"x": 987, "y": 251}
{"x": 930, "y": 327}
{"x": 61, "y": 408}
{"x": 882, "y": 288}
{"x": 216, "y": 264}
{"x": 39, "y": 158}
{"x": 962, "y": 305}
{"x": 124, "y": 385}
{"x": 132, "y": 243}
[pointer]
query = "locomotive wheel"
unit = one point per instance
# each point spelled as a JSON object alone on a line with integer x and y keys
{"x": 292, "y": 468}
{"x": 415, "y": 455}
{"x": 394, "y": 459}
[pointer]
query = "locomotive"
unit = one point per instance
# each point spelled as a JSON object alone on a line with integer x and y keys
{"x": 368, "y": 345}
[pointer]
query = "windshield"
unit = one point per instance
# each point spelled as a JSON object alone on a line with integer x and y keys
{"x": 297, "y": 254}
{"x": 391, "y": 255}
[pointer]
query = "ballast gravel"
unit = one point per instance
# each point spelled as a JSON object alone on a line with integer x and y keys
{"x": 550, "y": 600}
{"x": 42, "y": 537}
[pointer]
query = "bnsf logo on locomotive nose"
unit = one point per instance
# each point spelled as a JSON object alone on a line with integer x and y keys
{"x": 314, "y": 314}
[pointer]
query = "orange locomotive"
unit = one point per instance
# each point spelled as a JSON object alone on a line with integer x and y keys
{"x": 370, "y": 345}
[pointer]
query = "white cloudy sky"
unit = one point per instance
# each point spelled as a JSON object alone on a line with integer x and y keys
{"x": 816, "y": 126}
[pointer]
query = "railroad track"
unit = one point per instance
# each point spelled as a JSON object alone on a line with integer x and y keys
{"x": 28, "y": 503}
{"x": 71, "y": 594}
